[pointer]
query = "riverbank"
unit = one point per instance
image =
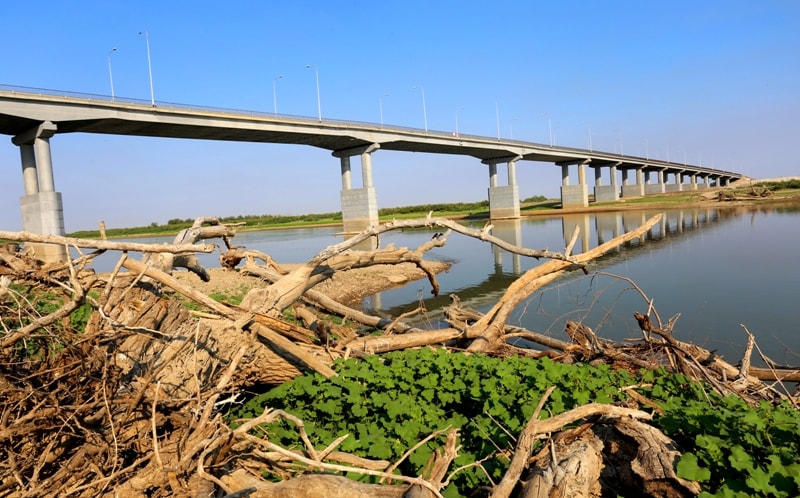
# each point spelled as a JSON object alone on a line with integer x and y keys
{"x": 550, "y": 207}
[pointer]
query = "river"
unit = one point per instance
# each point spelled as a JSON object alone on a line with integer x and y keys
{"x": 712, "y": 270}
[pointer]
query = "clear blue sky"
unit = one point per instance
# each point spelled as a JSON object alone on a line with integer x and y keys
{"x": 716, "y": 82}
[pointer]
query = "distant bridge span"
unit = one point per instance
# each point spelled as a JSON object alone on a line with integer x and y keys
{"x": 32, "y": 116}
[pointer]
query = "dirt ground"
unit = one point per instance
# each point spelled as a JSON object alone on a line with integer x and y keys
{"x": 347, "y": 287}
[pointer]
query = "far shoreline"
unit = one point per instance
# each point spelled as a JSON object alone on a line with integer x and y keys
{"x": 674, "y": 200}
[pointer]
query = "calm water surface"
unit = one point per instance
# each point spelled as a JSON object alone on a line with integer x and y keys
{"x": 713, "y": 270}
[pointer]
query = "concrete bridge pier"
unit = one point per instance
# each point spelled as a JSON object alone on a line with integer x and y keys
{"x": 606, "y": 193}
{"x": 41, "y": 206}
{"x": 674, "y": 187}
{"x": 637, "y": 188}
{"x": 658, "y": 186}
{"x": 503, "y": 199}
{"x": 574, "y": 195}
{"x": 359, "y": 205}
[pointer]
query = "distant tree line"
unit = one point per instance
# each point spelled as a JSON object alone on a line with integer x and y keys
{"x": 270, "y": 220}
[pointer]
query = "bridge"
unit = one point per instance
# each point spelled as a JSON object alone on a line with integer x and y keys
{"x": 32, "y": 116}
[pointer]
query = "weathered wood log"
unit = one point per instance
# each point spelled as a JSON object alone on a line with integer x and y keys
{"x": 460, "y": 317}
{"x": 652, "y": 468}
{"x": 312, "y": 486}
{"x": 535, "y": 427}
{"x": 488, "y": 330}
{"x": 297, "y": 355}
{"x": 569, "y": 470}
{"x": 622, "y": 457}
{"x": 701, "y": 359}
{"x": 106, "y": 244}
{"x": 384, "y": 344}
{"x": 776, "y": 374}
{"x": 289, "y": 288}
{"x": 202, "y": 228}
{"x": 324, "y": 302}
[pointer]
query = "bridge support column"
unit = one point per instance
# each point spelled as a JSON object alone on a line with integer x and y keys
{"x": 573, "y": 196}
{"x": 503, "y": 199}
{"x": 637, "y": 188}
{"x": 655, "y": 188}
{"x": 674, "y": 187}
{"x": 359, "y": 205}
{"x": 347, "y": 176}
{"x": 606, "y": 193}
{"x": 42, "y": 207}
{"x": 693, "y": 184}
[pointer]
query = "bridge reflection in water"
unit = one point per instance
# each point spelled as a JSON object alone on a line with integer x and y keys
{"x": 595, "y": 229}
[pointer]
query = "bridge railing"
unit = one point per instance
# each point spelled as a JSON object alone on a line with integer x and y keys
{"x": 309, "y": 119}
{"x": 242, "y": 112}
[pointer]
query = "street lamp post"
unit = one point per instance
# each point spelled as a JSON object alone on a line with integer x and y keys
{"x": 149, "y": 66}
{"x": 110, "y": 73}
{"x": 319, "y": 102}
{"x": 459, "y": 109}
{"x": 380, "y": 106}
{"x": 424, "y": 107}
{"x": 275, "y": 95}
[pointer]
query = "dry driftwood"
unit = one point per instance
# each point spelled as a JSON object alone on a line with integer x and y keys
{"x": 487, "y": 332}
{"x": 107, "y": 245}
{"x": 133, "y": 404}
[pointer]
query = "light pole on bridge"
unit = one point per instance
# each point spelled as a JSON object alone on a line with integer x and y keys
{"x": 380, "y": 106}
{"x": 275, "y": 95}
{"x": 319, "y": 102}
{"x": 110, "y": 73}
{"x": 424, "y": 107}
{"x": 149, "y": 66}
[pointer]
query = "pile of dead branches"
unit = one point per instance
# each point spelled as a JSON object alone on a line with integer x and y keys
{"x": 131, "y": 403}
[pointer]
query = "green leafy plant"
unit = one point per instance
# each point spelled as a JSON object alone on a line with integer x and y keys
{"x": 387, "y": 404}
{"x": 736, "y": 449}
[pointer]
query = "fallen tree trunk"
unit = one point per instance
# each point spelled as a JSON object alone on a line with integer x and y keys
{"x": 107, "y": 245}
{"x": 487, "y": 332}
